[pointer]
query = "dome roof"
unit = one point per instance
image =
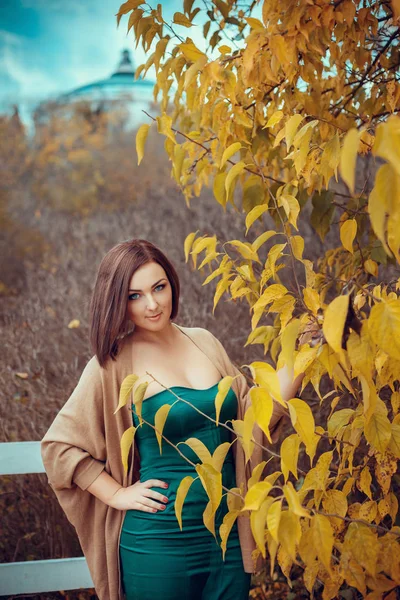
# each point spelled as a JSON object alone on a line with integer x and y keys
{"x": 122, "y": 78}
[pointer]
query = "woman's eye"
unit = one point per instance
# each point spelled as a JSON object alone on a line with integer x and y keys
{"x": 161, "y": 285}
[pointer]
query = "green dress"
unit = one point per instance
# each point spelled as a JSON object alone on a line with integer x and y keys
{"x": 157, "y": 559}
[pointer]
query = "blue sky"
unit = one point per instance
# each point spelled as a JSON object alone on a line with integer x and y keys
{"x": 53, "y": 46}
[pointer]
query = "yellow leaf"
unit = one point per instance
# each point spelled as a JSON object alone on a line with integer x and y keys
{"x": 247, "y": 433}
{"x": 368, "y": 511}
{"x": 380, "y": 201}
{"x": 291, "y": 207}
{"x": 273, "y": 519}
{"x": 181, "y": 494}
{"x": 125, "y": 390}
{"x": 279, "y": 48}
{"x": 219, "y": 455}
{"x": 138, "y": 398}
{"x": 221, "y": 288}
{"x": 289, "y": 455}
{"x": 288, "y": 343}
{"x": 335, "y": 318}
{"x": 22, "y": 375}
{"x": 369, "y": 395}
{"x": 290, "y": 129}
{"x": 384, "y": 326}
{"x": 256, "y": 473}
{"x": 190, "y": 51}
{"x": 219, "y": 188}
{"x": 279, "y": 137}
{"x": 74, "y": 324}
{"x": 188, "y": 243}
{"x": 236, "y": 170}
{"x": 266, "y": 376}
{"x": 361, "y": 541}
{"x": 289, "y": 532}
{"x": 254, "y": 23}
{"x": 274, "y": 119}
{"x": 394, "y": 444}
{"x": 126, "y": 445}
{"x": 311, "y": 299}
{"x": 254, "y": 214}
{"x": 330, "y": 158}
{"x": 229, "y": 152}
{"x": 245, "y": 249}
{"x": 181, "y": 19}
{"x": 225, "y": 528}
{"x": 284, "y": 306}
{"x": 257, "y": 524}
{"x": 126, "y": 7}
{"x": 304, "y": 358}
{"x": 348, "y": 232}
{"x": 159, "y": 422}
{"x": 225, "y": 49}
{"x": 297, "y": 244}
{"x": 317, "y": 477}
{"x": 387, "y": 142}
{"x": 209, "y": 518}
{"x": 272, "y": 293}
{"x": 348, "y": 157}
{"x": 338, "y": 420}
{"x": 378, "y": 431}
{"x": 164, "y": 126}
{"x": 198, "y": 448}
{"x": 364, "y": 484}
{"x": 193, "y": 71}
{"x": 212, "y": 483}
{"x": 234, "y": 502}
{"x": 302, "y": 420}
{"x": 223, "y": 388}
{"x": 335, "y": 502}
{"x": 323, "y": 539}
{"x": 263, "y": 406}
{"x": 274, "y": 254}
{"x": 264, "y": 237}
{"x": 293, "y": 500}
{"x": 256, "y": 495}
{"x": 141, "y": 138}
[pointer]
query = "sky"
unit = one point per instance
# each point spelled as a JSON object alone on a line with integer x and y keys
{"x": 52, "y": 46}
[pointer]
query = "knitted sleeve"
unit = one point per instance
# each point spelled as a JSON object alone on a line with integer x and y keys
{"x": 73, "y": 449}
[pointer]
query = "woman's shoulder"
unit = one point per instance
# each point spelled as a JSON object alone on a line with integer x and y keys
{"x": 200, "y": 333}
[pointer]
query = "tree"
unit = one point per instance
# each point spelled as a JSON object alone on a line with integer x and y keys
{"x": 282, "y": 99}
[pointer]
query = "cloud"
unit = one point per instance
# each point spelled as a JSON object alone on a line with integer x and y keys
{"x": 72, "y": 7}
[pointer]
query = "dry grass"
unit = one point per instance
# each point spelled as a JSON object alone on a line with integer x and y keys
{"x": 52, "y": 275}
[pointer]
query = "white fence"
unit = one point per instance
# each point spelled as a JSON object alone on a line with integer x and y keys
{"x": 37, "y": 576}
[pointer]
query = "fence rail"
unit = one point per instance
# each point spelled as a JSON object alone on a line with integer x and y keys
{"x": 37, "y": 576}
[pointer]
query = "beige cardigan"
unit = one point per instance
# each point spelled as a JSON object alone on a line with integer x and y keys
{"x": 84, "y": 439}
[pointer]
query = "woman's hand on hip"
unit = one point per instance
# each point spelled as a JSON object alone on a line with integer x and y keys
{"x": 140, "y": 496}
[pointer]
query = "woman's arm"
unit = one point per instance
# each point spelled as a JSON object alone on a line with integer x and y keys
{"x": 104, "y": 487}
{"x": 289, "y": 386}
{"x": 73, "y": 449}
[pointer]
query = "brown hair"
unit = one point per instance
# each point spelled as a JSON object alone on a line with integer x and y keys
{"x": 108, "y": 304}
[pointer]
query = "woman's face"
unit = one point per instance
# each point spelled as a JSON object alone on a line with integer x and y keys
{"x": 149, "y": 294}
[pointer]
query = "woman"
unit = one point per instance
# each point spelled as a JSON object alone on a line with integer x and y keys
{"x": 125, "y": 521}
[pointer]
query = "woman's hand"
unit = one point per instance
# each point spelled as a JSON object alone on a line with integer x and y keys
{"x": 139, "y": 496}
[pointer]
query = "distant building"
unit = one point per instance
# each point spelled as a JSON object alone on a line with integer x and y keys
{"x": 121, "y": 88}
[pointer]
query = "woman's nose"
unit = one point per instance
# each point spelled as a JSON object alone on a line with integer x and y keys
{"x": 152, "y": 304}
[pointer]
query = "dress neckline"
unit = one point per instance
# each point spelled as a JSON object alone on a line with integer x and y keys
{"x": 182, "y": 387}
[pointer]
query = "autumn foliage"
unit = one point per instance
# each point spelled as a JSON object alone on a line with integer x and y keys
{"x": 289, "y": 112}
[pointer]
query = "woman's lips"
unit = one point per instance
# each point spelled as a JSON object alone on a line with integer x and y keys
{"x": 155, "y": 317}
